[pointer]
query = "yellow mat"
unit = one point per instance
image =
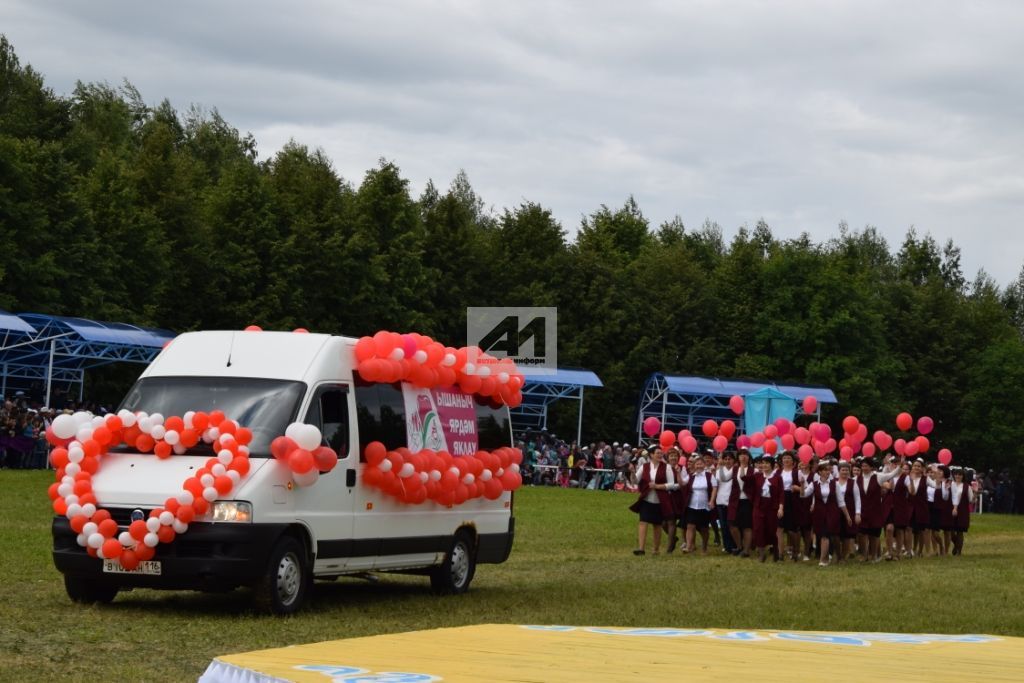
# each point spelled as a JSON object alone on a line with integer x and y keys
{"x": 552, "y": 654}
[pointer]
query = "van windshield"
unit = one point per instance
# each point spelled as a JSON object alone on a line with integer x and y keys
{"x": 266, "y": 406}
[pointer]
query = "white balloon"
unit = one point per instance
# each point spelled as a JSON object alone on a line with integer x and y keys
{"x": 420, "y": 356}
{"x": 186, "y": 498}
{"x": 406, "y": 470}
{"x": 146, "y": 425}
{"x": 151, "y": 540}
{"x": 158, "y": 432}
{"x": 83, "y": 416}
{"x": 424, "y": 477}
{"x": 82, "y": 540}
{"x": 157, "y": 418}
{"x": 127, "y": 417}
{"x": 293, "y": 430}
{"x": 514, "y": 467}
{"x": 211, "y": 434}
{"x": 468, "y": 479}
{"x": 71, "y": 499}
{"x": 74, "y": 509}
{"x": 126, "y": 539}
{"x": 179, "y": 449}
{"x": 225, "y": 457}
{"x": 73, "y": 468}
{"x": 96, "y": 421}
{"x": 308, "y": 438}
{"x": 385, "y": 465}
{"x": 484, "y": 371}
{"x": 226, "y": 439}
{"x": 454, "y": 470}
{"x": 486, "y": 475}
{"x": 243, "y": 450}
{"x": 469, "y": 368}
{"x": 448, "y": 360}
{"x": 172, "y": 437}
{"x": 218, "y": 470}
{"x": 210, "y": 494}
{"x": 166, "y": 518}
{"x": 397, "y": 354}
{"x": 179, "y": 527}
{"x": 153, "y": 524}
{"x": 75, "y": 454}
{"x": 206, "y": 480}
{"x": 84, "y": 433}
{"x": 100, "y": 554}
{"x": 96, "y": 540}
{"x": 307, "y": 478}
{"x": 88, "y": 509}
{"x": 65, "y": 490}
{"x": 503, "y": 377}
{"x": 435, "y": 475}
{"x": 234, "y": 476}
{"x": 187, "y": 418}
{"x": 90, "y": 528}
{"x": 499, "y": 472}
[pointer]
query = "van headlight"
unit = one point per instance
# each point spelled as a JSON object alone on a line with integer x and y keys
{"x": 231, "y": 511}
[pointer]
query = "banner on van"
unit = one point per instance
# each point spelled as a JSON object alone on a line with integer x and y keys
{"x": 440, "y": 419}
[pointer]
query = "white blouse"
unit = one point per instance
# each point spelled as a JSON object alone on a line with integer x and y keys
{"x": 841, "y": 495}
{"x": 699, "y": 492}
{"x": 670, "y": 478}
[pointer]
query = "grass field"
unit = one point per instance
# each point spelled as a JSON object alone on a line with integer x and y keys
{"x": 571, "y": 565}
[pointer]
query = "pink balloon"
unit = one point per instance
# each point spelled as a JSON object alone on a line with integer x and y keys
{"x": 689, "y": 444}
{"x": 771, "y": 431}
{"x": 846, "y": 453}
{"x": 668, "y": 438}
{"x": 925, "y": 425}
{"x": 782, "y": 425}
{"x": 743, "y": 441}
{"x": 862, "y": 432}
{"x": 652, "y": 426}
{"x": 757, "y": 439}
{"x": 736, "y": 404}
{"x": 810, "y": 404}
{"x": 945, "y": 456}
{"x": 820, "y": 449}
{"x": 710, "y": 428}
{"x": 682, "y": 435}
{"x": 720, "y": 443}
{"x": 855, "y": 445}
{"x": 869, "y": 449}
{"x": 911, "y": 448}
{"x": 727, "y": 429}
{"x": 900, "y": 446}
{"x": 850, "y": 424}
{"x": 788, "y": 441}
{"x": 830, "y": 445}
{"x": 802, "y": 435}
{"x": 805, "y": 453}
{"x": 882, "y": 440}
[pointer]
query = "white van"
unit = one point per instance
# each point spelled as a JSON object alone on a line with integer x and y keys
{"x": 271, "y": 535}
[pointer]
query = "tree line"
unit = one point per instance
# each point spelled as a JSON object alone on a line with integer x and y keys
{"x": 117, "y": 210}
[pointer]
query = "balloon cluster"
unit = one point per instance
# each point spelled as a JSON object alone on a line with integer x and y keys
{"x": 438, "y": 476}
{"x": 81, "y": 439}
{"x": 418, "y": 359}
{"x": 300, "y": 450}
{"x": 815, "y": 439}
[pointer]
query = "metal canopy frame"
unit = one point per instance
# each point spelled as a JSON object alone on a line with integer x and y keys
{"x": 677, "y": 407}
{"x": 37, "y": 347}
{"x": 540, "y": 391}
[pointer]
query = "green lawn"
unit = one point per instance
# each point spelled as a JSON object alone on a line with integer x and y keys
{"x": 571, "y": 565}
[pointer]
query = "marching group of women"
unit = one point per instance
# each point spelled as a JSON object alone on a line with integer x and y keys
{"x": 785, "y": 508}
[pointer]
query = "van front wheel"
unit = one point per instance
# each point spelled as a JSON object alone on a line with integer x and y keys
{"x": 284, "y": 587}
{"x": 453, "y": 576}
{"x": 87, "y": 592}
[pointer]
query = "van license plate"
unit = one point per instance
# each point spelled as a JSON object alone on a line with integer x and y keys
{"x": 151, "y": 567}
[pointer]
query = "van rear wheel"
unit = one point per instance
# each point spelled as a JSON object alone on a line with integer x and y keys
{"x": 87, "y": 592}
{"x": 284, "y": 588}
{"x": 454, "y": 575}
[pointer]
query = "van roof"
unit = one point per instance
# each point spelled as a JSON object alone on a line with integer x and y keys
{"x": 273, "y": 355}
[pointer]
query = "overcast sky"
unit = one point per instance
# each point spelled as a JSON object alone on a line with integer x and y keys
{"x": 893, "y": 114}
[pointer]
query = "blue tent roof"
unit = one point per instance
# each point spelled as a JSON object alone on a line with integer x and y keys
{"x": 12, "y": 323}
{"x": 713, "y": 386}
{"x": 109, "y": 333}
{"x": 582, "y": 378}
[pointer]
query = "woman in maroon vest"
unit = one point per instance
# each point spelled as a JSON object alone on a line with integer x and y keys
{"x": 902, "y": 511}
{"x": 869, "y": 485}
{"x": 917, "y": 491}
{"x": 677, "y": 521}
{"x": 803, "y": 514}
{"x": 767, "y": 508}
{"x": 961, "y": 496}
{"x": 825, "y": 509}
{"x": 654, "y": 504}
{"x": 944, "y": 502}
{"x": 741, "y": 502}
{"x": 850, "y": 495}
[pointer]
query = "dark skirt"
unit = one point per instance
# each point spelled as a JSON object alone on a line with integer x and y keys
{"x": 902, "y": 511}
{"x": 698, "y": 518}
{"x": 745, "y": 514}
{"x": 935, "y": 519}
{"x": 847, "y": 530}
{"x": 790, "y": 518}
{"x": 766, "y": 523}
{"x": 826, "y": 520}
{"x": 650, "y": 512}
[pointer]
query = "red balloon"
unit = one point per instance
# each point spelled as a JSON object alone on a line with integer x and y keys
{"x": 720, "y": 443}
{"x": 689, "y": 444}
{"x": 802, "y": 435}
{"x": 736, "y": 404}
{"x": 771, "y": 446}
{"x": 900, "y": 446}
{"x": 771, "y": 431}
{"x": 904, "y": 421}
{"x": 375, "y": 452}
{"x": 325, "y": 458}
{"x": 281, "y": 447}
{"x": 788, "y": 441}
{"x": 652, "y": 426}
{"x": 757, "y": 439}
{"x": 911, "y": 448}
{"x": 810, "y": 404}
{"x": 846, "y": 453}
{"x": 922, "y": 444}
{"x": 882, "y": 440}
{"x": 129, "y": 559}
{"x": 365, "y": 349}
{"x": 727, "y": 429}
{"x": 945, "y": 456}
{"x": 710, "y": 428}
{"x": 805, "y": 453}
{"x": 924, "y": 425}
{"x": 830, "y": 445}
{"x": 869, "y": 449}
{"x": 667, "y": 439}
{"x": 743, "y": 441}
{"x": 112, "y": 548}
{"x": 850, "y": 424}
{"x": 300, "y": 461}
{"x": 372, "y": 476}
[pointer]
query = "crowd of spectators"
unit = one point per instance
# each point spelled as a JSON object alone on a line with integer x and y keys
{"x": 23, "y": 424}
{"x": 551, "y": 461}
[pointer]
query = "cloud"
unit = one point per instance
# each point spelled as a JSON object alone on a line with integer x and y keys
{"x": 804, "y": 113}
